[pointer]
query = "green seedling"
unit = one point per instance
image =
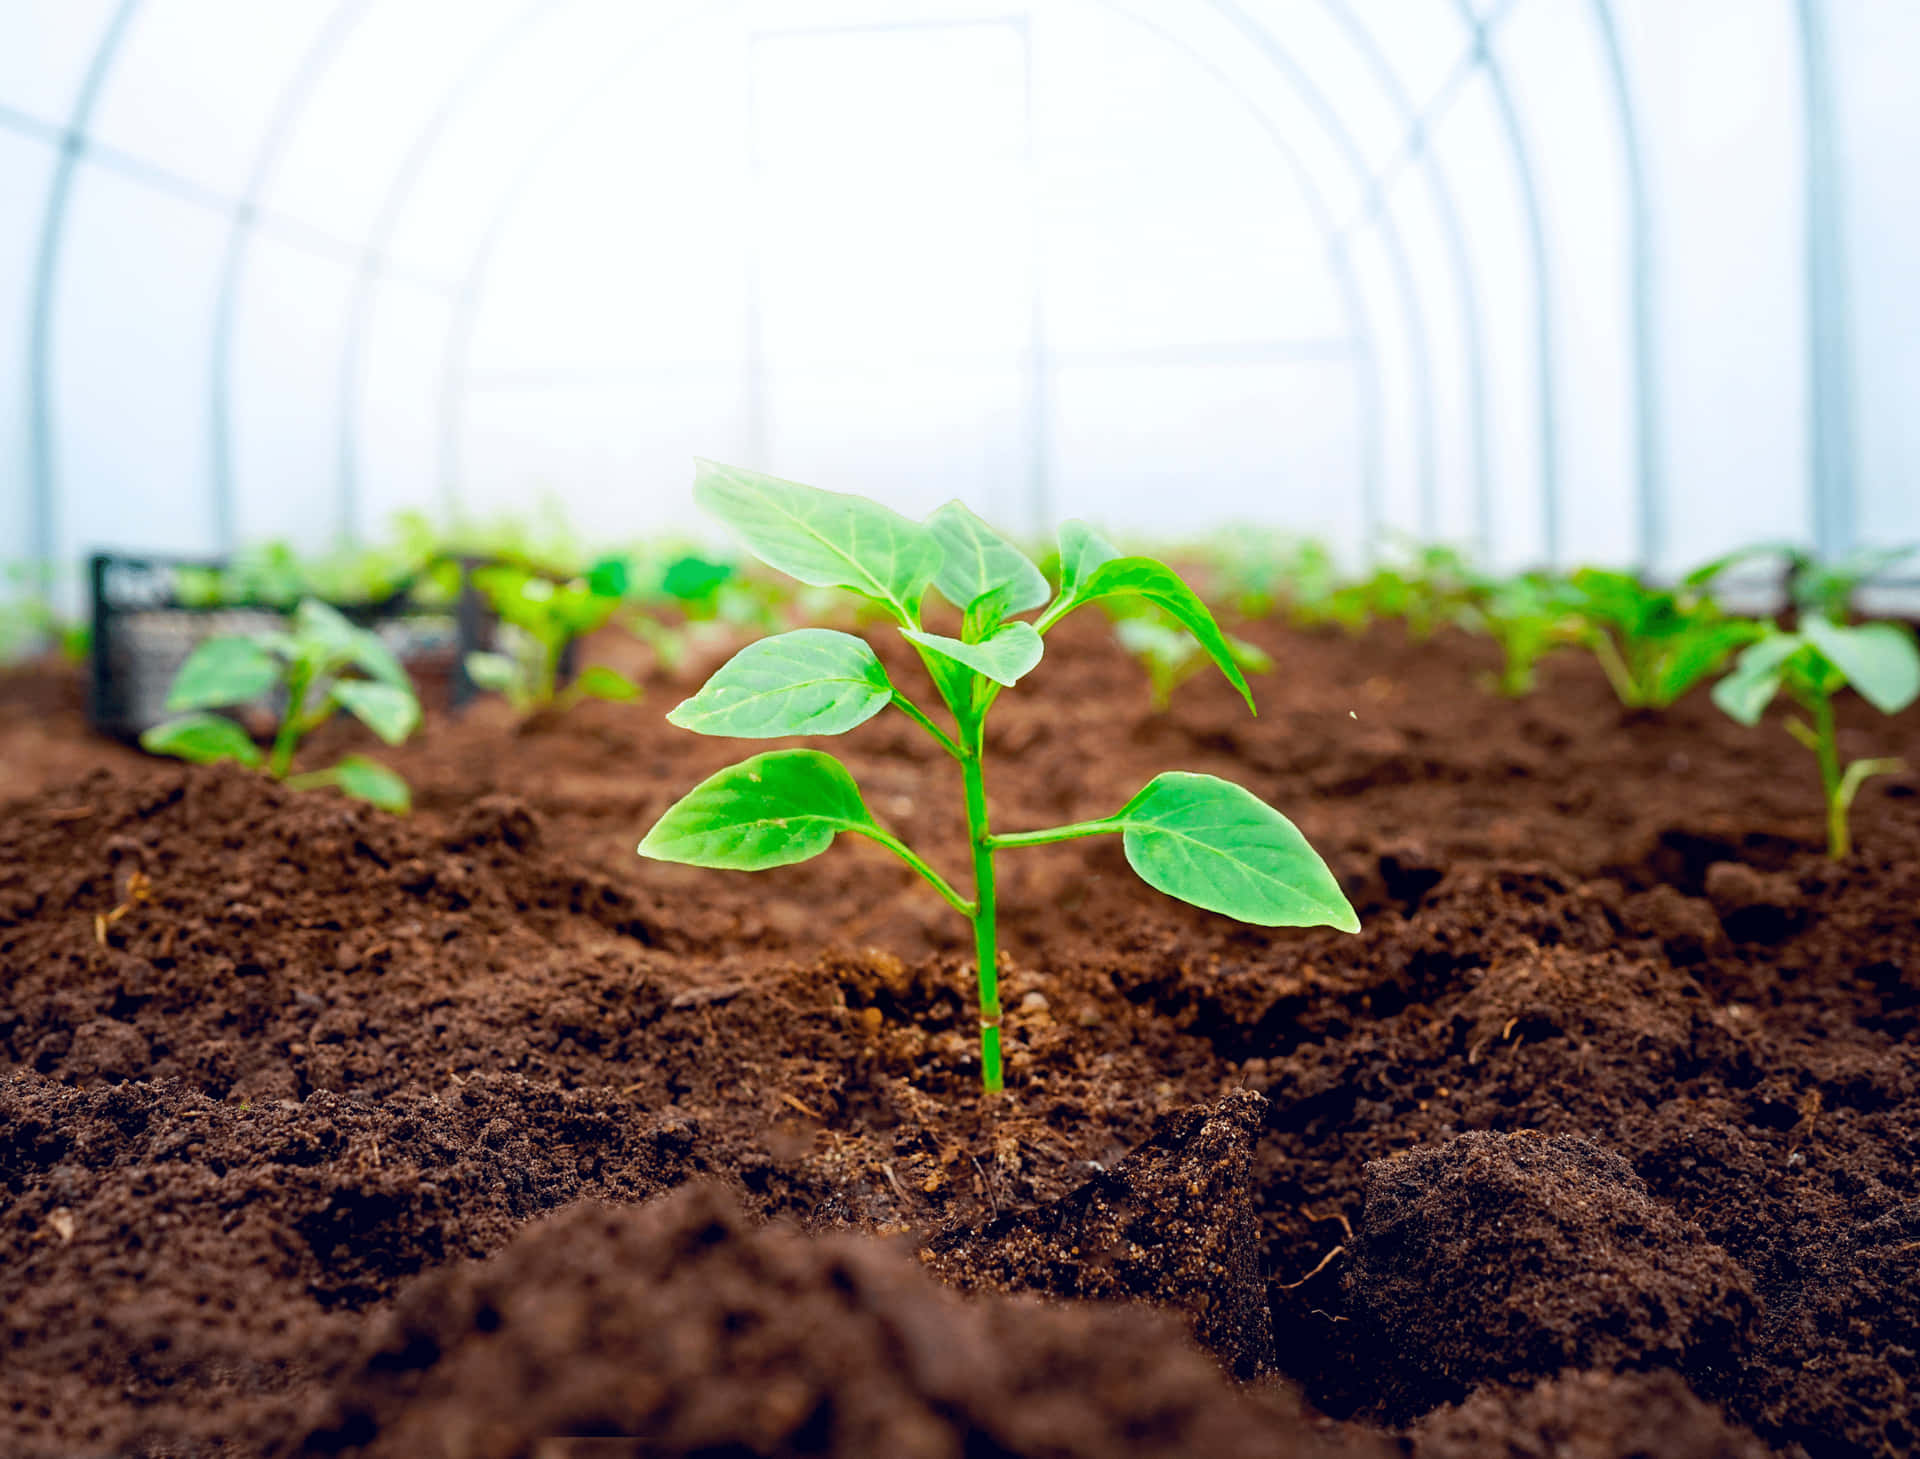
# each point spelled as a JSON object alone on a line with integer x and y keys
{"x": 1654, "y": 644}
{"x": 1813, "y": 664}
{"x": 1171, "y": 655}
{"x": 1825, "y": 588}
{"x": 1195, "y": 837}
{"x": 324, "y": 664}
{"x": 541, "y": 618}
{"x": 1528, "y": 616}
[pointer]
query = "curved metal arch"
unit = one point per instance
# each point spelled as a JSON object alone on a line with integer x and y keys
{"x": 399, "y": 191}
{"x": 1544, "y": 348}
{"x": 45, "y": 278}
{"x": 1646, "y": 397}
{"x": 453, "y": 387}
{"x": 240, "y": 232}
{"x": 1464, "y": 280}
{"x": 1829, "y": 355}
{"x": 1283, "y": 60}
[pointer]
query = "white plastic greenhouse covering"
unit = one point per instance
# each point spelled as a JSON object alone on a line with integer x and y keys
{"x": 1574, "y": 280}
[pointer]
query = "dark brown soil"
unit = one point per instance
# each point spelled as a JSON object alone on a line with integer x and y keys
{"x": 276, "y": 1066}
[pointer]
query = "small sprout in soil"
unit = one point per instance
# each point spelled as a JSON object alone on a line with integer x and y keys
{"x": 1204, "y": 840}
{"x": 540, "y": 617}
{"x": 1171, "y": 655}
{"x": 1654, "y": 643}
{"x": 1528, "y": 616}
{"x": 1812, "y": 665}
{"x": 310, "y": 666}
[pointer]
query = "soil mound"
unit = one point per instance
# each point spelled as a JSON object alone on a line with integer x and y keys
{"x": 1504, "y": 1258}
{"x": 1585, "y": 1416}
{"x": 1172, "y": 1225}
{"x": 683, "y": 1328}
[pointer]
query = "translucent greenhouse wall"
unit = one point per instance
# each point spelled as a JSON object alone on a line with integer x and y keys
{"x": 1594, "y": 280}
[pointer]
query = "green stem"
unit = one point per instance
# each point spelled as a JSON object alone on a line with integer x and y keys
{"x": 919, "y": 716}
{"x": 1625, "y": 686}
{"x": 1054, "y": 833}
{"x": 906, "y": 853}
{"x": 1841, "y": 806}
{"x": 1827, "y": 752}
{"x": 985, "y": 931}
{"x": 287, "y": 738}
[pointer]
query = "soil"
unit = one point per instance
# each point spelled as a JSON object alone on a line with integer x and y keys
{"x": 323, "y": 1131}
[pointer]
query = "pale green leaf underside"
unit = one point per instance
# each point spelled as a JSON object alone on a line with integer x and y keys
{"x": 1082, "y": 551}
{"x": 824, "y": 538}
{"x": 223, "y": 671}
{"x": 1745, "y": 693}
{"x": 1217, "y": 845}
{"x": 976, "y": 560}
{"x": 772, "y": 810}
{"x": 814, "y": 681}
{"x": 1006, "y": 656}
{"x": 201, "y": 739}
{"x": 390, "y": 713}
{"x": 1879, "y": 660}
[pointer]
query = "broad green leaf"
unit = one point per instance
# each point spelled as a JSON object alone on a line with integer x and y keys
{"x": 496, "y": 672}
{"x": 1082, "y": 552}
{"x": 772, "y": 810}
{"x": 372, "y": 655}
{"x": 1879, "y": 660}
{"x": 223, "y": 671}
{"x": 318, "y": 622}
{"x": 1005, "y": 656}
{"x": 814, "y": 681}
{"x": 597, "y": 681}
{"x": 824, "y": 538}
{"x": 390, "y": 713}
{"x": 368, "y": 780}
{"x": 1696, "y": 655}
{"x": 976, "y": 560}
{"x": 1212, "y": 843}
{"x": 1746, "y": 692}
{"x": 202, "y": 739}
{"x": 1161, "y": 585}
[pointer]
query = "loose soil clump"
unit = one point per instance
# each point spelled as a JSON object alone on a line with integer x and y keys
{"x": 277, "y": 1071}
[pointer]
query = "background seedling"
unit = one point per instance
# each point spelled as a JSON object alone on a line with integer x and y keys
{"x": 1812, "y": 665}
{"x": 1528, "y": 616}
{"x": 1654, "y": 643}
{"x": 1195, "y": 837}
{"x": 541, "y": 617}
{"x": 315, "y": 667}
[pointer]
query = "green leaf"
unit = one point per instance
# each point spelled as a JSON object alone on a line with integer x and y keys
{"x": 1879, "y": 660}
{"x": 772, "y": 810}
{"x": 1745, "y": 693}
{"x": 223, "y": 671}
{"x": 368, "y": 780}
{"x": 390, "y": 713}
{"x": 496, "y": 672}
{"x": 824, "y": 538}
{"x": 1082, "y": 552}
{"x": 201, "y": 739}
{"x": 322, "y": 623}
{"x": 1698, "y": 654}
{"x": 976, "y": 560}
{"x": 814, "y": 681}
{"x": 1005, "y": 656}
{"x": 1159, "y": 585}
{"x": 1217, "y": 845}
{"x": 372, "y": 655}
{"x": 597, "y": 681}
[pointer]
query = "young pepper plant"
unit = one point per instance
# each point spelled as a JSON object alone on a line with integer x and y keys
{"x": 311, "y": 664}
{"x": 544, "y": 617}
{"x": 1654, "y": 644}
{"x": 1204, "y": 840}
{"x": 1812, "y": 665}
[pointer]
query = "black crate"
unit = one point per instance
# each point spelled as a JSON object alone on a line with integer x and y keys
{"x": 143, "y": 632}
